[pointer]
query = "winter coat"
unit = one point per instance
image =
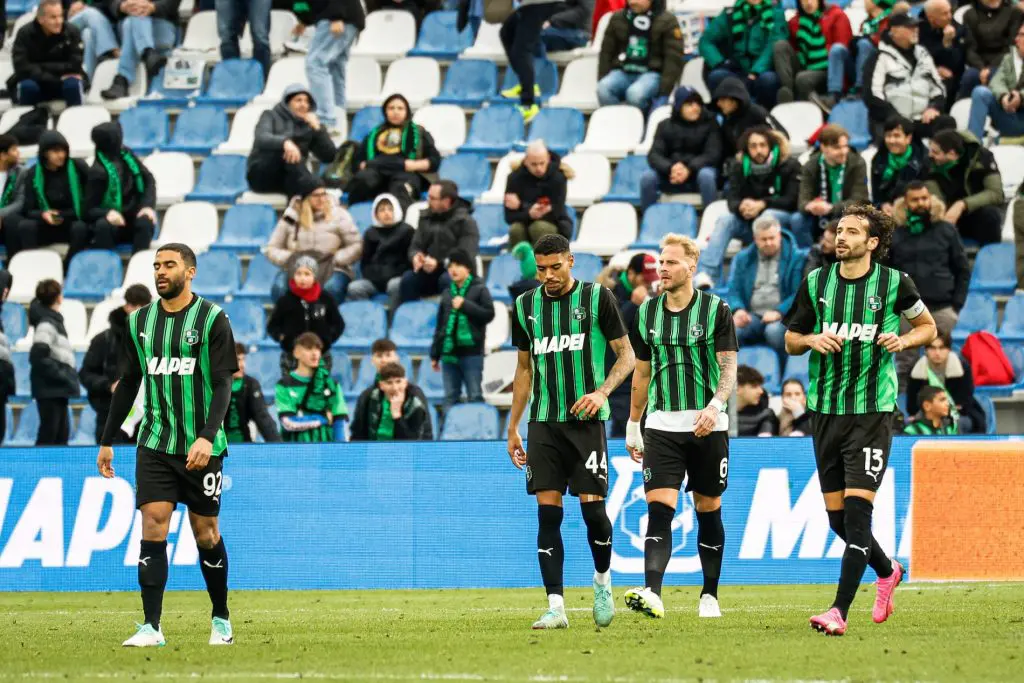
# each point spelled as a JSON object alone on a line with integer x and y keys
{"x": 335, "y": 238}
{"x": 855, "y": 183}
{"x": 7, "y": 381}
{"x": 1005, "y": 80}
{"x": 292, "y": 316}
{"x": 781, "y": 196}
{"x": 697, "y": 145}
{"x": 666, "y": 54}
{"x": 917, "y": 168}
{"x": 416, "y": 142}
{"x": 953, "y": 57}
{"x": 743, "y": 274}
{"x": 754, "y": 55}
{"x": 959, "y": 383}
{"x": 133, "y": 200}
{"x": 309, "y": 12}
{"x": 386, "y": 250}
{"x": 746, "y": 116}
{"x": 56, "y": 184}
{"x": 835, "y": 25}
{"x": 575, "y": 14}
{"x": 439, "y": 233}
{"x": 247, "y": 405}
{"x": 975, "y": 180}
{"x": 478, "y": 308}
{"x": 14, "y": 188}
{"x": 789, "y": 424}
{"x": 102, "y": 363}
{"x": 990, "y": 32}
{"x": 895, "y": 85}
{"x": 279, "y": 124}
{"x": 51, "y": 358}
{"x": 934, "y": 259}
{"x": 530, "y": 189}
{"x": 757, "y": 419}
{"x": 414, "y": 424}
{"x": 44, "y": 58}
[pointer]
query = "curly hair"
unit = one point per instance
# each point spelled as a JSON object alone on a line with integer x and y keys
{"x": 880, "y": 225}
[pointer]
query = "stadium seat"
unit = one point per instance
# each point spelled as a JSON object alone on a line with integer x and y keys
{"x": 248, "y": 322}
{"x": 801, "y": 120}
{"x": 961, "y": 112}
{"x": 341, "y": 371}
{"x": 362, "y": 215}
{"x": 276, "y": 201}
{"x": 626, "y": 180}
{"x": 365, "y": 322}
{"x": 868, "y": 155}
{"x": 11, "y": 116}
{"x": 76, "y": 124}
{"x": 201, "y": 37}
{"x": 221, "y": 179}
{"x": 497, "y": 332}
{"x": 579, "y": 86}
{"x": 471, "y": 172}
{"x": 993, "y": 271}
{"x": 446, "y": 123}
{"x": 853, "y": 116}
{"x": 30, "y": 266}
{"x": 693, "y": 76}
{"x": 487, "y": 45}
{"x": 174, "y": 174}
{"x": 389, "y": 34}
{"x": 546, "y": 74}
{"x": 140, "y": 271}
{"x": 103, "y": 78}
{"x": 766, "y": 361}
{"x": 661, "y": 219}
{"x": 233, "y": 83}
{"x": 1015, "y": 354}
{"x": 606, "y": 229}
{"x": 15, "y": 322}
{"x": 22, "y": 372}
{"x": 496, "y": 195}
{"x": 470, "y": 422}
{"x": 283, "y": 72}
{"x": 162, "y": 97}
{"x": 246, "y": 228}
{"x": 76, "y": 322}
{"x": 364, "y": 121}
{"x": 468, "y": 83}
{"x": 990, "y": 413}
{"x": 1012, "y": 329}
{"x": 362, "y": 82}
{"x": 978, "y": 314}
{"x": 798, "y": 367}
{"x": 259, "y": 278}
{"x": 265, "y": 367}
{"x": 218, "y": 274}
{"x": 85, "y": 431}
{"x": 28, "y": 427}
{"x": 711, "y": 214}
{"x": 613, "y": 131}
{"x": 368, "y": 373}
{"x": 587, "y": 267}
{"x": 502, "y": 272}
{"x": 93, "y": 274}
{"x": 657, "y": 116}
{"x": 193, "y": 223}
{"x": 592, "y": 179}
{"x": 490, "y": 220}
{"x": 431, "y": 382}
{"x": 281, "y": 24}
{"x": 560, "y": 129}
{"x": 412, "y": 327}
{"x": 198, "y": 130}
{"x": 24, "y": 9}
{"x": 440, "y": 38}
{"x": 1010, "y": 159}
{"x": 145, "y": 129}
{"x": 99, "y": 321}
{"x": 494, "y": 131}
{"x": 417, "y": 78}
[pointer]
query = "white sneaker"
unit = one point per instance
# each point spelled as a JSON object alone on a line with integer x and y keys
{"x": 220, "y": 632}
{"x": 702, "y": 281}
{"x": 646, "y": 601}
{"x": 709, "y": 607}
{"x": 146, "y": 636}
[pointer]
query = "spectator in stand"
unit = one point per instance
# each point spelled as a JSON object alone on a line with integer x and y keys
{"x": 832, "y": 179}
{"x": 944, "y": 369}
{"x": 934, "y": 418}
{"x": 535, "y": 196}
{"x": 764, "y": 181}
{"x": 945, "y": 39}
{"x": 247, "y": 406}
{"x": 991, "y": 27}
{"x": 446, "y": 225}
{"x": 53, "y": 375}
{"x": 393, "y": 409}
{"x": 149, "y": 29}
{"x": 305, "y": 307}
{"x": 567, "y": 29}
{"x": 394, "y": 158}
{"x": 458, "y": 348}
{"x": 337, "y": 24}
{"x": 289, "y": 132}
{"x": 865, "y": 45}
{"x": 739, "y": 115}
{"x": 7, "y": 380}
{"x": 315, "y": 223}
{"x": 823, "y": 254}
{"x": 902, "y": 159}
{"x": 95, "y": 21}
{"x": 55, "y": 208}
{"x": 121, "y": 193}
{"x": 520, "y": 33}
{"x": 641, "y": 55}
{"x": 47, "y": 59}
{"x": 763, "y": 280}
{"x": 310, "y": 404}
{"x": 12, "y": 190}
{"x": 1001, "y": 101}
{"x": 754, "y": 416}
{"x": 232, "y": 16}
{"x": 686, "y": 153}
{"x": 813, "y": 60}
{"x": 385, "y": 253}
{"x": 965, "y": 176}
{"x": 794, "y": 419}
{"x": 382, "y": 352}
{"x": 740, "y": 42}
{"x": 101, "y": 367}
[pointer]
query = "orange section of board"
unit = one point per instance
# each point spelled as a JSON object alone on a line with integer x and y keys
{"x": 968, "y": 511}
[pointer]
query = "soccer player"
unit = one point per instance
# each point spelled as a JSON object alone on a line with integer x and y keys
{"x": 182, "y": 348}
{"x": 563, "y": 330}
{"x": 848, "y": 316}
{"x": 685, "y": 344}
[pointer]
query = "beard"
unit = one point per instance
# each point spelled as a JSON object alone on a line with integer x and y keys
{"x": 852, "y": 253}
{"x": 174, "y": 288}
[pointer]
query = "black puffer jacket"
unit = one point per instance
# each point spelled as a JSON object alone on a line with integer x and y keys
{"x": 52, "y": 359}
{"x": 108, "y": 139}
{"x": 100, "y": 368}
{"x": 477, "y": 306}
{"x": 280, "y": 124}
{"x": 292, "y": 316}
{"x": 887, "y": 192}
{"x": 44, "y": 58}
{"x": 56, "y": 185}
{"x": 530, "y": 189}
{"x": 747, "y": 116}
{"x": 697, "y": 144}
{"x": 934, "y": 259}
{"x": 440, "y": 233}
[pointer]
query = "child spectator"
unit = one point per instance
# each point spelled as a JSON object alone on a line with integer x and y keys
{"x": 53, "y": 374}
{"x": 794, "y": 420}
{"x": 310, "y": 404}
{"x": 247, "y": 406}
{"x": 392, "y": 409}
{"x": 385, "y": 252}
{"x": 305, "y": 307}
{"x": 753, "y": 414}
{"x": 933, "y": 419}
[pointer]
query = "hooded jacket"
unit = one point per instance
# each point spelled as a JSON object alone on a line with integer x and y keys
{"x": 477, "y": 306}
{"x": 309, "y": 12}
{"x": 835, "y": 26}
{"x": 696, "y": 144}
{"x": 757, "y": 419}
{"x": 855, "y": 183}
{"x": 335, "y": 238}
{"x": 975, "y": 179}
{"x": 883, "y": 192}
{"x": 60, "y": 190}
{"x": 747, "y": 115}
{"x": 990, "y": 32}
{"x": 386, "y": 249}
{"x": 440, "y": 233}
{"x": 51, "y": 358}
{"x": 280, "y": 124}
{"x": 292, "y": 316}
{"x": 387, "y": 147}
{"x": 101, "y": 366}
{"x": 935, "y": 258}
{"x": 137, "y": 186}
{"x": 414, "y": 425}
{"x": 550, "y": 187}
{"x": 743, "y": 273}
{"x": 778, "y": 190}
{"x": 666, "y": 47}
{"x": 44, "y": 58}
{"x": 894, "y": 84}
{"x": 753, "y": 54}
{"x": 959, "y": 382}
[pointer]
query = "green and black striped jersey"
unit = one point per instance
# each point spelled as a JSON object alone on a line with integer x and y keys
{"x": 179, "y": 355}
{"x": 681, "y": 347}
{"x": 862, "y": 377}
{"x": 306, "y": 397}
{"x": 567, "y": 336}
{"x": 924, "y": 427}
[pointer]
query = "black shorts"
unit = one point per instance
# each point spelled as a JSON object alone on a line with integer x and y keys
{"x": 567, "y": 454}
{"x": 670, "y": 457}
{"x": 851, "y": 451}
{"x": 162, "y": 477}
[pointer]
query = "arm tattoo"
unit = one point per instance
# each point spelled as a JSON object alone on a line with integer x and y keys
{"x": 624, "y": 362}
{"x": 727, "y": 375}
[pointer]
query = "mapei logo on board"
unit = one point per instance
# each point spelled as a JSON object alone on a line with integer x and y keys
{"x": 852, "y": 331}
{"x": 171, "y": 366}
{"x": 562, "y": 342}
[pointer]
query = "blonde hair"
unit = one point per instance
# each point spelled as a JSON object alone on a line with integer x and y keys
{"x": 306, "y": 212}
{"x": 689, "y": 247}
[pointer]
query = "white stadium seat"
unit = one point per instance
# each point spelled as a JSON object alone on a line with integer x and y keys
{"x": 487, "y": 45}
{"x": 388, "y": 35}
{"x": 281, "y": 24}
{"x": 201, "y": 38}
{"x": 6, "y": 71}
{"x": 594, "y": 47}
{"x": 498, "y": 329}
{"x": 243, "y": 130}
{"x": 99, "y": 321}
{"x": 412, "y": 214}
{"x": 613, "y": 131}
{"x": 1010, "y": 159}
{"x": 606, "y": 229}
{"x": 11, "y": 116}
{"x": 283, "y": 72}
{"x": 75, "y": 323}
{"x": 868, "y": 156}
{"x": 1008, "y": 224}
{"x": 191, "y": 223}
{"x": 417, "y": 78}
{"x": 28, "y": 268}
{"x": 277, "y": 201}
{"x": 712, "y": 213}
{"x": 496, "y": 195}
{"x": 499, "y": 369}
{"x": 693, "y": 76}
{"x": 592, "y": 181}
{"x": 140, "y": 271}
{"x": 579, "y": 86}
{"x": 102, "y": 79}
{"x": 175, "y": 176}
{"x": 446, "y": 123}
{"x": 657, "y": 116}
{"x": 76, "y": 124}
{"x": 801, "y": 120}
{"x": 362, "y": 82}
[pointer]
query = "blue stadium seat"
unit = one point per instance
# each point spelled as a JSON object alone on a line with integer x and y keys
{"x": 341, "y": 371}
{"x": 364, "y": 121}
{"x": 853, "y": 116}
{"x": 163, "y": 98}
{"x": 490, "y": 220}
{"x": 218, "y": 274}
{"x": 494, "y": 131}
{"x": 989, "y": 409}
{"x": 259, "y": 278}
{"x": 28, "y": 427}
{"x": 431, "y": 382}
{"x": 9, "y": 430}
{"x": 92, "y": 274}
{"x": 22, "y": 371}
{"x": 248, "y": 323}
{"x": 233, "y": 83}
{"x": 15, "y": 321}
{"x": 84, "y": 433}
{"x": 198, "y": 130}
{"x": 587, "y": 267}
{"x": 471, "y": 172}
{"x": 503, "y": 271}
{"x": 246, "y": 227}
{"x": 470, "y": 422}
{"x": 561, "y": 129}
{"x": 545, "y": 74}
{"x": 365, "y": 322}
{"x": 367, "y": 374}
{"x": 221, "y": 180}
{"x": 626, "y": 180}
{"x": 798, "y": 367}
{"x": 16, "y": 8}
{"x": 994, "y": 270}
{"x": 412, "y": 327}
{"x": 265, "y": 367}
{"x": 440, "y": 38}
{"x": 362, "y": 214}
{"x": 468, "y": 83}
{"x": 978, "y": 313}
{"x": 1012, "y": 329}
{"x": 145, "y": 129}
{"x": 764, "y": 360}
{"x": 661, "y": 219}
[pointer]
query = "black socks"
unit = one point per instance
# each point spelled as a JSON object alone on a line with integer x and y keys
{"x": 214, "y": 564}
{"x": 710, "y": 547}
{"x": 153, "y": 579}
{"x": 878, "y": 561}
{"x": 657, "y": 544}
{"x": 550, "y": 552}
{"x": 857, "y": 520}
{"x": 599, "y": 534}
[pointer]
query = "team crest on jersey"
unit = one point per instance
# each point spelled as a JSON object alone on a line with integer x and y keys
{"x": 874, "y": 303}
{"x": 579, "y": 313}
{"x": 192, "y": 336}
{"x": 647, "y": 474}
{"x": 697, "y": 331}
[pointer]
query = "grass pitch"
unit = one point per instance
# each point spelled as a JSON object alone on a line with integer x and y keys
{"x": 939, "y": 632}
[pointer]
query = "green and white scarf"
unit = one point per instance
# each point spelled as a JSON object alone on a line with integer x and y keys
{"x": 457, "y": 332}
{"x": 870, "y": 26}
{"x": 831, "y": 180}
